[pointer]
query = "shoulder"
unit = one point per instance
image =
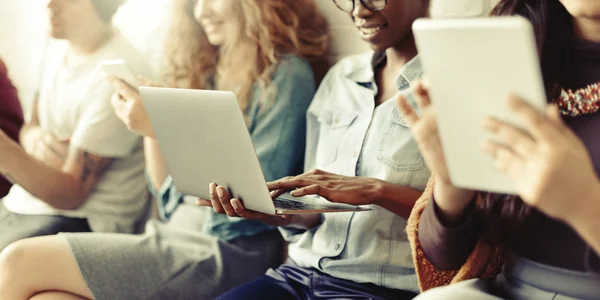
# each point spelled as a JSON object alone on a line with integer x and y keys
{"x": 293, "y": 66}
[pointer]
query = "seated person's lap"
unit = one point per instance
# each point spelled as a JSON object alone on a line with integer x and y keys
{"x": 14, "y": 227}
{"x": 292, "y": 282}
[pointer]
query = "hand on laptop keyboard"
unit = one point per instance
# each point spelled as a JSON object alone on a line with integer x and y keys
{"x": 333, "y": 187}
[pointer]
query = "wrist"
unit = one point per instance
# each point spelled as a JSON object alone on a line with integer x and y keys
{"x": 451, "y": 201}
{"x": 380, "y": 192}
{"x": 585, "y": 214}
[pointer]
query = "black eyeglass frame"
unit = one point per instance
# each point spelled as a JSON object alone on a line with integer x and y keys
{"x": 363, "y": 2}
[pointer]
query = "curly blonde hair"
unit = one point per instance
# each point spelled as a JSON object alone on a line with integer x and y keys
{"x": 268, "y": 30}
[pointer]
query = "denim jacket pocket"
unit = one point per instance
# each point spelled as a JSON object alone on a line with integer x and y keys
{"x": 398, "y": 149}
{"x": 334, "y": 125}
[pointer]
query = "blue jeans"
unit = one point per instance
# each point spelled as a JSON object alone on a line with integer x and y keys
{"x": 292, "y": 282}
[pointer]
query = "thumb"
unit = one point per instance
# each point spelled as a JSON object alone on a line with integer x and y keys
{"x": 553, "y": 114}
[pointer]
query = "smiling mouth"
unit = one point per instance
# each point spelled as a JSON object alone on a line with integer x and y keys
{"x": 371, "y": 29}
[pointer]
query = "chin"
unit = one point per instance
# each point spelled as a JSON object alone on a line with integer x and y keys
{"x": 216, "y": 41}
{"x": 378, "y": 47}
{"x": 57, "y": 34}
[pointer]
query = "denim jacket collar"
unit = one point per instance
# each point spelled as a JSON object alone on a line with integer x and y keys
{"x": 365, "y": 76}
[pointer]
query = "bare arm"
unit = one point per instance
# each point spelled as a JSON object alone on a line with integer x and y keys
{"x": 396, "y": 198}
{"x": 62, "y": 188}
{"x": 351, "y": 190}
{"x": 586, "y": 222}
{"x": 155, "y": 163}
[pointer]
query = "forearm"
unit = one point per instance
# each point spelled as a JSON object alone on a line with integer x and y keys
{"x": 155, "y": 163}
{"x": 60, "y": 190}
{"x": 396, "y": 198}
{"x": 589, "y": 229}
{"x": 587, "y": 221}
{"x": 447, "y": 246}
{"x": 451, "y": 201}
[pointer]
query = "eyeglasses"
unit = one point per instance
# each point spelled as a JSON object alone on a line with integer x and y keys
{"x": 372, "y": 5}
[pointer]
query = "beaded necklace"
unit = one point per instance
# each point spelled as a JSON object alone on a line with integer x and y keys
{"x": 584, "y": 101}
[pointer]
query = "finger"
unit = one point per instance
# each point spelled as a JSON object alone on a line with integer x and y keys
{"x": 277, "y": 193}
{"x": 239, "y": 208}
{"x": 421, "y": 93}
{"x": 57, "y": 140}
{"x": 407, "y": 111}
{"x": 51, "y": 145}
{"x": 316, "y": 172}
{"x": 553, "y": 114}
{"x": 288, "y": 184}
{"x": 225, "y": 200}
{"x": 538, "y": 125}
{"x": 214, "y": 200}
{"x": 62, "y": 146}
{"x": 314, "y": 189}
{"x": 125, "y": 90}
{"x": 518, "y": 140}
{"x": 505, "y": 160}
{"x": 204, "y": 202}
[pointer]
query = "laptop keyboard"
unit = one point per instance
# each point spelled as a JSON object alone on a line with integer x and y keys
{"x": 286, "y": 204}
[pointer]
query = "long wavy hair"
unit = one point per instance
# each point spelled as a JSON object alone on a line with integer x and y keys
{"x": 553, "y": 27}
{"x": 268, "y": 29}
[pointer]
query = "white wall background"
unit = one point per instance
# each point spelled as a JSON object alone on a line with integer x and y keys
{"x": 23, "y": 28}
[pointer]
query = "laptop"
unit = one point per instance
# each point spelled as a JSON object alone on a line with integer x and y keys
{"x": 204, "y": 139}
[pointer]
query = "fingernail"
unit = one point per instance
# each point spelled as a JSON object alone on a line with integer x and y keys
{"x": 234, "y": 204}
{"x": 220, "y": 192}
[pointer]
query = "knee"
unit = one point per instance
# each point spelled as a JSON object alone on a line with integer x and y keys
{"x": 11, "y": 262}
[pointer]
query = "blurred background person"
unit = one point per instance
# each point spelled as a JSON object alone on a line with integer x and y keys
{"x": 11, "y": 116}
{"x": 78, "y": 168}
{"x": 260, "y": 50}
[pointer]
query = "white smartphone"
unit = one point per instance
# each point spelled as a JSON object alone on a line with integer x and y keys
{"x": 472, "y": 66}
{"x": 120, "y": 69}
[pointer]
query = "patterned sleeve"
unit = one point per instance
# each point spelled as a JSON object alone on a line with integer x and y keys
{"x": 485, "y": 260}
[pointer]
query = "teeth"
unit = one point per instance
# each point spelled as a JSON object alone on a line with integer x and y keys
{"x": 372, "y": 30}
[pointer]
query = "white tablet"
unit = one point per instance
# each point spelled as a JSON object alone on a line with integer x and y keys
{"x": 472, "y": 66}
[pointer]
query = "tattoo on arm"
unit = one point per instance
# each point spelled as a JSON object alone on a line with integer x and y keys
{"x": 92, "y": 166}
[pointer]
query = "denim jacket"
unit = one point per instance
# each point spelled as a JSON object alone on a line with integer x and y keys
{"x": 348, "y": 135}
{"x": 278, "y": 134}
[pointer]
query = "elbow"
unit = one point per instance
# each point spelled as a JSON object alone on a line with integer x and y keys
{"x": 68, "y": 204}
{"x": 64, "y": 202}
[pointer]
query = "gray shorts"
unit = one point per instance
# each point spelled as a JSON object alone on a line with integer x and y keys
{"x": 15, "y": 227}
{"x": 168, "y": 262}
